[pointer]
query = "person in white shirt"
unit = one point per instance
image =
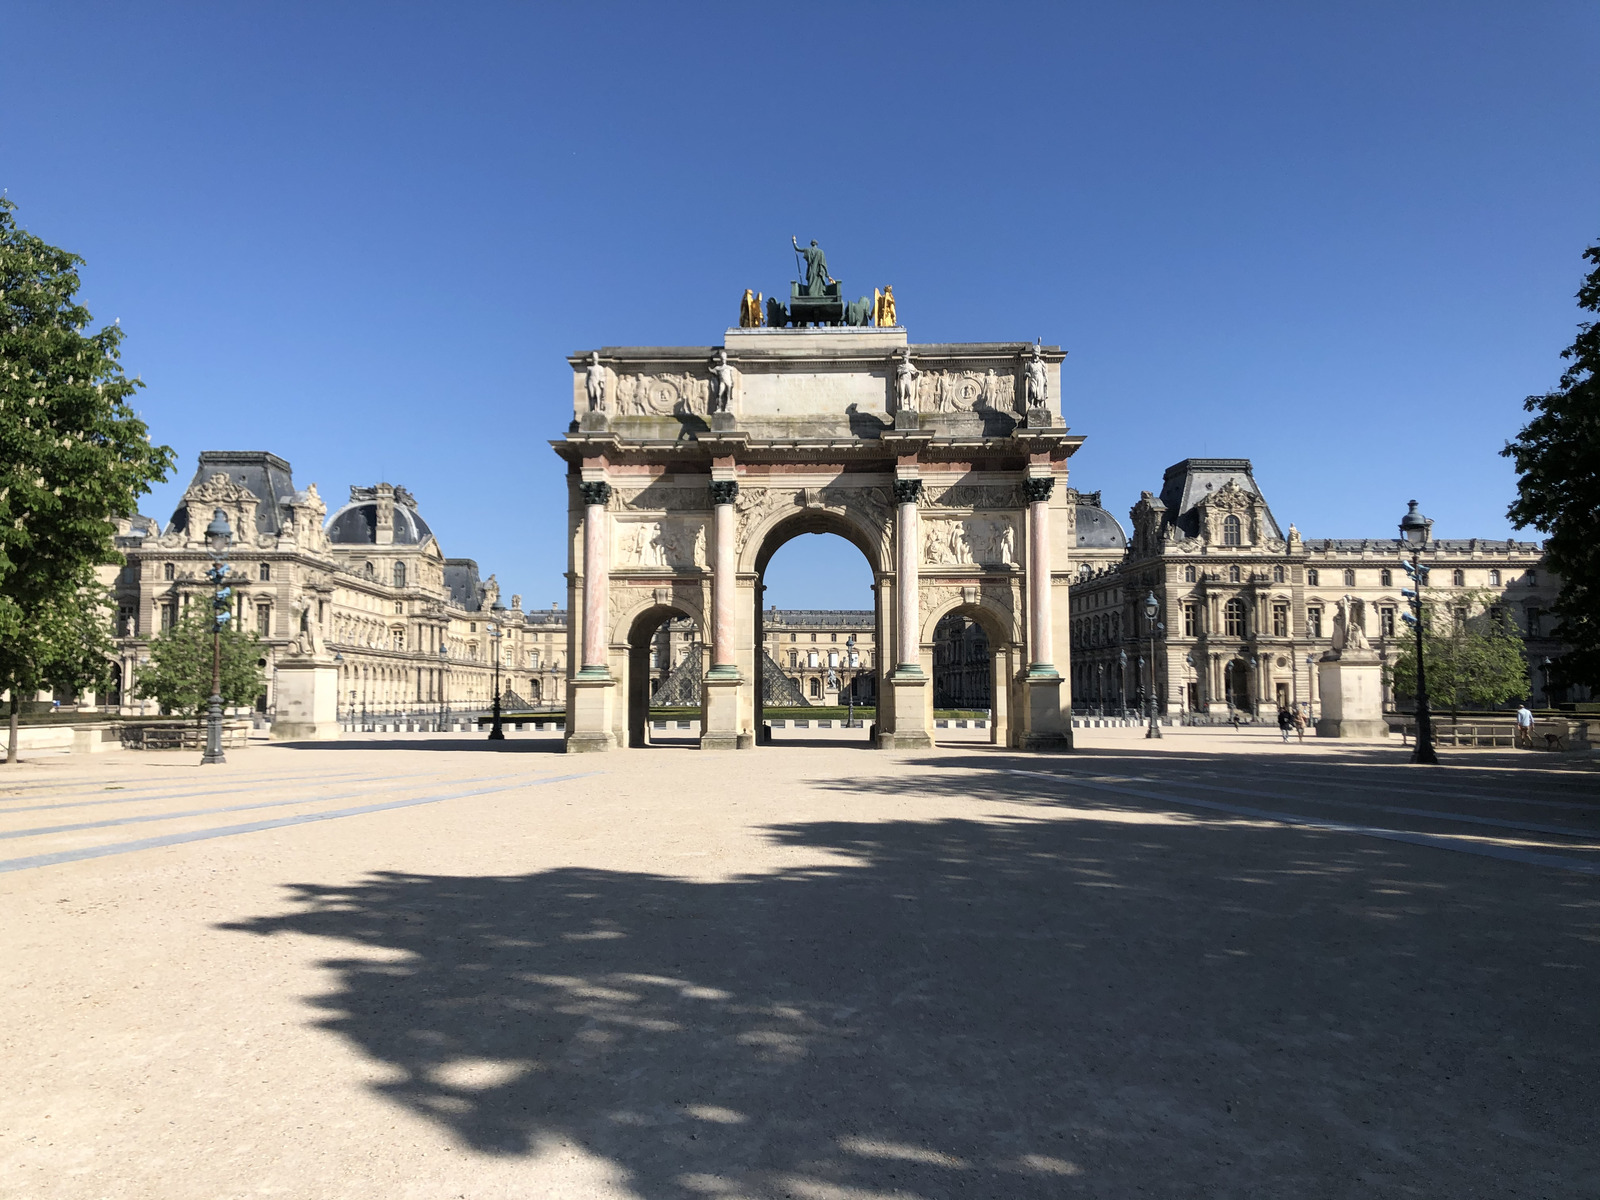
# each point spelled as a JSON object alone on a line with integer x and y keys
{"x": 1524, "y": 726}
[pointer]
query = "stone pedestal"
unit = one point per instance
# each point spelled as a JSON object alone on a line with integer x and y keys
{"x": 307, "y": 700}
{"x": 1045, "y": 726}
{"x": 908, "y": 718}
{"x": 590, "y": 696}
{"x": 721, "y": 728}
{"x": 1351, "y": 684}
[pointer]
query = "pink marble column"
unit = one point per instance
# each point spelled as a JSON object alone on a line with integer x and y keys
{"x": 1038, "y": 491}
{"x": 724, "y": 576}
{"x": 908, "y": 650}
{"x": 596, "y": 576}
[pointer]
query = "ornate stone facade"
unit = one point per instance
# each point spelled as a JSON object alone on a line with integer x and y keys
{"x": 409, "y": 630}
{"x": 1246, "y": 608}
{"x": 922, "y": 456}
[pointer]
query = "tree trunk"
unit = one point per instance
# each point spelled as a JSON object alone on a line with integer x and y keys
{"x": 11, "y": 739}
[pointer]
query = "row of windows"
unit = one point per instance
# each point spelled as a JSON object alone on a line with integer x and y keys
{"x": 263, "y": 571}
{"x": 1458, "y": 577}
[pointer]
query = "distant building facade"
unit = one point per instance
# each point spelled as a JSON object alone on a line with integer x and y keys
{"x": 1246, "y": 608}
{"x": 412, "y": 630}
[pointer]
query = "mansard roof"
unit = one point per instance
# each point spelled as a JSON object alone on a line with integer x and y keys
{"x": 1189, "y": 484}
{"x": 356, "y": 524}
{"x": 461, "y": 577}
{"x": 1097, "y": 528}
{"x": 269, "y": 478}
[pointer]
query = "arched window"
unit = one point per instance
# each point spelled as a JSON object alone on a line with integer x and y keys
{"x": 1494, "y": 581}
{"x": 1233, "y": 618}
{"x": 1233, "y": 577}
{"x": 534, "y": 689}
{"x": 371, "y": 573}
{"x": 266, "y": 577}
{"x": 1083, "y": 573}
{"x": 1277, "y": 577}
{"x": 1188, "y": 577}
{"x": 1350, "y": 581}
{"x": 169, "y": 572}
{"x": 1230, "y": 533}
{"x": 1458, "y": 577}
{"x": 1311, "y": 578}
{"x": 1386, "y": 579}
{"x": 400, "y": 579}
{"x": 816, "y": 685}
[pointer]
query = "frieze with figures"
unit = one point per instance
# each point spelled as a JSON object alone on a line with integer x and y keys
{"x": 660, "y": 545}
{"x": 955, "y": 390}
{"x": 969, "y": 541}
{"x": 971, "y": 495}
{"x": 655, "y": 498}
{"x": 662, "y": 395}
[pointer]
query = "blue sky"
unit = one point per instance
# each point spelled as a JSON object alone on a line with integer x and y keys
{"x": 1339, "y": 240}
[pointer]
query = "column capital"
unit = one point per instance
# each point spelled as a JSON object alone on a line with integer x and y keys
{"x": 595, "y": 491}
{"x": 906, "y": 491}
{"x": 1037, "y": 488}
{"x": 724, "y": 491}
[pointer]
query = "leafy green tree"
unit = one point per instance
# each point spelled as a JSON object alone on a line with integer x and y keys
{"x": 1478, "y": 663}
{"x": 73, "y": 455}
{"x": 1558, "y": 489}
{"x": 68, "y": 646}
{"x": 178, "y": 675}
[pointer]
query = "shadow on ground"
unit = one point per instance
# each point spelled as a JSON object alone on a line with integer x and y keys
{"x": 483, "y": 745}
{"x": 1104, "y": 1001}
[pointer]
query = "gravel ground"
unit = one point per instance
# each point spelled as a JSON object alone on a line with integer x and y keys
{"x": 1210, "y": 966}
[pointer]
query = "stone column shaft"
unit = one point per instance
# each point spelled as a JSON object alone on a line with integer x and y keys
{"x": 907, "y": 645}
{"x": 596, "y": 576}
{"x": 1038, "y": 493}
{"x": 724, "y": 575}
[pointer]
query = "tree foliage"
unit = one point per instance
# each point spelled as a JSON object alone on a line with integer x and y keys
{"x": 68, "y": 645}
{"x": 1557, "y": 455}
{"x": 178, "y": 675}
{"x": 73, "y": 455}
{"x": 1475, "y": 664}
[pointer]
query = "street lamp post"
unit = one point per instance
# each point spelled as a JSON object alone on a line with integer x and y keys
{"x": 218, "y": 535}
{"x": 854, "y": 661}
{"x": 444, "y": 677}
{"x": 496, "y": 734}
{"x": 1414, "y": 528}
{"x": 1122, "y": 678}
{"x": 1152, "y": 607}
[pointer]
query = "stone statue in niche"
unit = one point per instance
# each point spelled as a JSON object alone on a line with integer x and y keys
{"x": 905, "y": 383}
{"x": 594, "y": 379}
{"x": 723, "y": 380}
{"x": 1038, "y": 380}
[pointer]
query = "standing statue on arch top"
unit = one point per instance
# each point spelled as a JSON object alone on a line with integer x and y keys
{"x": 905, "y": 382}
{"x": 723, "y": 380}
{"x": 1038, "y": 381}
{"x": 594, "y": 379}
{"x": 817, "y": 277}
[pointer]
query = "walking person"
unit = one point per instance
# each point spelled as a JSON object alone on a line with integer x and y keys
{"x": 1300, "y": 724}
{"x": 1524, "y": 726}
{"x": 1285, "y": 724}
{"x": 1233, "y": 719}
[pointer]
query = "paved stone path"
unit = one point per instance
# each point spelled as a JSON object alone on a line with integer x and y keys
{"x": 1210, "y": 966}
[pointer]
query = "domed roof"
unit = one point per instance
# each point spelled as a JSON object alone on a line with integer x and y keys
{"x": 1098, "y": 529}
{"x": 356, "y": 524}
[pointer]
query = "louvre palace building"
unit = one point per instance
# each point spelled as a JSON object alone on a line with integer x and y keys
{"x": 408, "y": 629}
{"x": 1244, "y": 609}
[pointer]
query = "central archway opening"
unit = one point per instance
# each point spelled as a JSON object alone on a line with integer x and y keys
{"x": 666, "y": 661}
{"x": 819, "y": 632}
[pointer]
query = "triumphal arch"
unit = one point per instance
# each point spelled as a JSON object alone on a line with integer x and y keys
{"x": 944, "y": 464}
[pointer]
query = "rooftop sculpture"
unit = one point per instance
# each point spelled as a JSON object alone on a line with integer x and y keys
{"x": 816, "y": 299}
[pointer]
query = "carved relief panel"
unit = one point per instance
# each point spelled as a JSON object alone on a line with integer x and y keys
{"x": 670, "y": 543}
